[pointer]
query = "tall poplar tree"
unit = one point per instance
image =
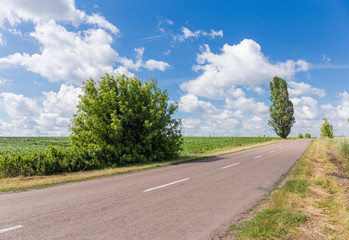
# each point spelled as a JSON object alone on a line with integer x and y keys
{"x": 281, "y": 110}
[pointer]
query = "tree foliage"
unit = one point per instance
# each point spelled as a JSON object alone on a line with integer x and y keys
{"x": 126, "y": 121}
{"x": 281, "y": 110}
{"x": 300, "y": 135}
{"x": 326, "y": 129}
{"x": 307, "y": 135}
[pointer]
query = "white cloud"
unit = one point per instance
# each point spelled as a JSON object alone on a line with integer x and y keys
{"x": 150, "y": 64}
{"x": 49, "y": 118}
{"x": 259, "y": 90}
{"x": 15, "y": 31}
{"x": 214, "y": 33}
{"x": 63, "y": 101}
{"x": 4, "y": 80}
{"x": 101, "y": 22}
{"x": 238, "y": 117}
{"x": 168, "y": 52}
{"x": 67, "y": 55}
{"x": 301, "y": 89}
{"x": 242, "y": 64}
{"x": 235, "y": 92}
{"x": 246, "y": 105}
{"x": 38, "y": 11}
{"x": 190, "y": 103}
{"x": 343, "y": 107}
{"x": 18, "y": 106}
{"x": 188, "y": 34}
{"x": 338, "y": 114}
{"x": 190, "y": 126}
{"x": 164, "y": 21}
{"x": 2, "y": 40}
{"x": 309, "y": 116}
{"x": 305, "y": 108}
{"x": 121, "y": 70}
{"x": 71, "y": 56}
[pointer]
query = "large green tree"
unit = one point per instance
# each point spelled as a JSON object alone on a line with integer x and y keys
{"x": 124, "y": 120}
{"x": 281, "y": 110}
{"x": 326, "y": 129}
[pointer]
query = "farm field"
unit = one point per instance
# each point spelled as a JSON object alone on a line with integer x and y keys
{"x": 194, "y": 145}
{"x": 37, "y": 156}
{"x": 13, "y": 149}
{"x": 12, "y": 146}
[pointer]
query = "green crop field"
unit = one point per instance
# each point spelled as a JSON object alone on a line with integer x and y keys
{"x": 193, "y": 145}
{"x": 12, "y": 146}
{"x": 49, "y": 155}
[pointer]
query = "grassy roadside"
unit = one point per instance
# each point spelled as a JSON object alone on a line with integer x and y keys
{"x": 25, "y": 183}
{"x": 312, "y": 204}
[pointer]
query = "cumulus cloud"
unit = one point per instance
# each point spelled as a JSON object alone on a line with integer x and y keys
{"x": 301, "y": 89}
{"x": 305, "y": 108}
{"x": 246, "y": 104}
{"x": 18, "y": 106}
{"x": 50, "y": 117}
{"x": 238, "y": 117}
{"x": 259, "y": 90}
{"x": 16, "y": 11}
{"x": 309, "y": 115}
{"x": 235, "y": 92}
{"x": 71, "y": 56}
{"x": 121, "y": 70}
{"x": 191, "y": 126}
{"x": 241, "y": 64}
{"x": 67, "y": 55}
{"x": 343, "y": 107}
{"x": 191, "y": 103}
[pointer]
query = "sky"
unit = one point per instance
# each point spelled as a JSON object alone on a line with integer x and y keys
{"x": 215, "y": 58}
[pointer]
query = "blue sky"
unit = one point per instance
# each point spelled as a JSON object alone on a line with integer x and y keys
{"x": 216, "y": 59}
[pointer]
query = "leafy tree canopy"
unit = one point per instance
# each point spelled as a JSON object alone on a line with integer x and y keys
{"x": 126, "y": 121}
{"x": 281, "y": 110}
{"x": 307, "y": 135}
{"x": 326, "y": 129}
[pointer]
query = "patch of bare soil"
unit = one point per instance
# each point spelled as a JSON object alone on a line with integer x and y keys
{"x": 338, "y": 161}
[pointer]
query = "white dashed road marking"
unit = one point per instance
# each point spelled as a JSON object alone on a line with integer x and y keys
{"x": 168, "y": 184}
{"x": 232, "y": 165}
{"x": 10, "y": 228}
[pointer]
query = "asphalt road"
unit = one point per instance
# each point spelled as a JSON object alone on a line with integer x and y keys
{"x": 195, "y": 200}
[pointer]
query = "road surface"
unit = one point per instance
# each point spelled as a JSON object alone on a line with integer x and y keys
{"x": 194, "y": 200}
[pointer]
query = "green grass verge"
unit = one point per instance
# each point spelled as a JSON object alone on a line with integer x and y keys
{"x": 269, "y": 223}
{"x": 312, "y": 204}
{"x": 278, "y": 219}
